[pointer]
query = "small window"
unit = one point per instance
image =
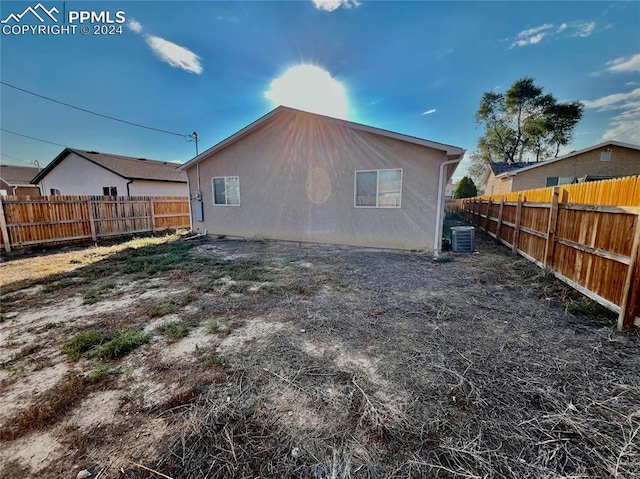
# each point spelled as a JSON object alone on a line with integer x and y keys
{"x": 3, "y": 192}
{"x": 605, "y": 155}
{"x": 109, "y": 191}
{"x": 226, "y": 191}
{"x": 378, "y": 189}
{"x": 560, "y": 180}
{"x": 54, "y": 192}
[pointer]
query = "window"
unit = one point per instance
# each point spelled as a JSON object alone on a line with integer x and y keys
{"x": 54, "y": 192}
{"x": 378, "y": 189}
{"x": 559, "y": 180}
{"x": 605, "y": 155}
{"x": 109, "y": 191}
{"x": 226, "y": 191}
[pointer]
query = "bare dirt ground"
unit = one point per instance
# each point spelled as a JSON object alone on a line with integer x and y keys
{"x": 245, "y": 359}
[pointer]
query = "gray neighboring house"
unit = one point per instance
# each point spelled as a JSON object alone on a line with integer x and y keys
{"x": 16, "y": 180}
{"x": 91, "y": 173}
{"x": 298, "y": 176}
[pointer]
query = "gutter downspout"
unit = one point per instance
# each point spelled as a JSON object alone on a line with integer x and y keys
{"x": 440, "y": 208}
{"x": 128, "y": 183}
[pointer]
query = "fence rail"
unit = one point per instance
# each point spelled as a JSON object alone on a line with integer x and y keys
{"x": 27, "y": 221}
{"x": 587, "y": 235}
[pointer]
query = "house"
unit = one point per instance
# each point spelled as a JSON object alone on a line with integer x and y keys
{"x": 298, "y": 176}
{"x": 611, "y": 159}
{"x": 450, "y": 189}
{"x": 79, "y": 172}
{"x": 16, "y": 180}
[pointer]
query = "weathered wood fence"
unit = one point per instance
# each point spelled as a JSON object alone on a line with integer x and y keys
{"x": 453, "y": 206}
{"x": 27, "y": 221}
{"x": 587, "y": 235}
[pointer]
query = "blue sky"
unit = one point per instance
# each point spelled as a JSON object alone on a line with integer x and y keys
{"x": 418, "y": 68}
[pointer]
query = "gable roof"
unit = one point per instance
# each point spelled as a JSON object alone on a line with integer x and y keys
{"x": 451, "y": 151}
{"x": 502, "y": 167}
{"x": 530, "y": 166}
{"x": 125, "y": 166}
{"x": 17, "y": 175}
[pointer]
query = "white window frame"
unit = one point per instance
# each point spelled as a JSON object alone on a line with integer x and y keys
{"x": 226, "y": 199}
{"x": 355, "y": 188}
{"x": 605, "y": 155}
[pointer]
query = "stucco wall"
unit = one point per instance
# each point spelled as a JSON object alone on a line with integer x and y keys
{"x": 624, "y": 162}
{"x": 297, "y": 183}
{"x": 77, "y": 176}
{"x": 157, "y": 188}
{"x": 497, "y": 186}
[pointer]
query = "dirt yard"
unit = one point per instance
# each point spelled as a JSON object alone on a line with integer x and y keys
{"x": 246, "y": 359}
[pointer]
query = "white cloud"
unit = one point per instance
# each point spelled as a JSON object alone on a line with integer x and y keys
{"x": 625, "y": 124}
{"x": 429, "y": 112}
{"x": 584, "y": 29}
{"x": 174, "y": 55}
{"x": 135, "y": 26}
{"x": 535, "y": 35}
{"x": 531, "y": 36}
{"x": 631, "y": 83}
{"x": 331, "y": 5}
{"x": 169, "y": 52}
{"x": 625, "y": 64}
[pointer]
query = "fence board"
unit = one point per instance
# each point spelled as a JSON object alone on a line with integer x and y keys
{"x": 44, "y": 220}
{"x": 585, "y": 234}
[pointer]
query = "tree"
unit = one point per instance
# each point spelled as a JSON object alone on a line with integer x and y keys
{"x": 524, "y": 122}
{"x": 465, "y": 189}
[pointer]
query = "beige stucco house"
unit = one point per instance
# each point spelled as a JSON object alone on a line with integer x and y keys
{"x": 298, "y": 176}
{"x": 15, "y": 180}
{"x": 80, "y": 172}
{"x": 612, "y": 159}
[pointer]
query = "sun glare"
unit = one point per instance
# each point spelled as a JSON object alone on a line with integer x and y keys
{"x": 310, "y": 88}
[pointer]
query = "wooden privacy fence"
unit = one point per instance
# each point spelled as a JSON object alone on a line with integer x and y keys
{"x": 27, "y": 221}
{"x": 453, "y": 206}
{"x": 587, "y": 235}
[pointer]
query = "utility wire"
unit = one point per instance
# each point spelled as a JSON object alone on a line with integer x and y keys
{"x": 625, "y": 132}
{"x": 186, "y": 137}
{"x": 33, "y": 138}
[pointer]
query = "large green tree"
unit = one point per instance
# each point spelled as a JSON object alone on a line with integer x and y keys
{"x": 465, "y": 189}
{"x": 523, "y": 122}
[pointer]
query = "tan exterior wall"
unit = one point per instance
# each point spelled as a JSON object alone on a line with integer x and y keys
{"x": 76, "y": 176}
{"x": 297, "y": 175}
{"x": 497, "y": 186}
{"x": 624, "y": 162}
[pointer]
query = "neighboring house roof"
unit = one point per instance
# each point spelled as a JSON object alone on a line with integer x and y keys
{"x": 17, "y": 175}
{"x": 529, "y": 166}
{"x": 124, "y": 166}
{"x": 503, "y": 167}
{"x": 453, "y": 152}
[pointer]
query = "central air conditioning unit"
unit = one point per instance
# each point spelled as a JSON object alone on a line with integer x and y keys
{"x": 463, "y": 239}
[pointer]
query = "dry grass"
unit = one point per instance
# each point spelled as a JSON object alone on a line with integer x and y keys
{"x": 333, "y": 362}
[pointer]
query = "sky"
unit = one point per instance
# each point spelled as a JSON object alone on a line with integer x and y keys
{"x": 418, "y": 68}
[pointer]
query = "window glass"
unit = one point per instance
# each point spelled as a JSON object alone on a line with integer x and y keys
{"x": 552, "y": 181}
{"x": 389, "y": 187}
{"x": 233, "y": 190}
{"x": 219, "y": 195}
{"x": 366, "y": 188}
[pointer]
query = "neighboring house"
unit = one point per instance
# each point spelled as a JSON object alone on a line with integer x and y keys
{"x": 611, "y": 159}
{"x": 16, "y": 180}
{"x": 450, "y": 189}
{"x": 298, "y": 176}
{"x": 79, "y": 172}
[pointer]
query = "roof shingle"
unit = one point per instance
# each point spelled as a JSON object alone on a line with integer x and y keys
{"x": 17, "y": 175}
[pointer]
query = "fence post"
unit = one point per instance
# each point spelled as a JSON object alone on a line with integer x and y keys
{"x": 92, "y": 223}
{"x": 487, "y": 220}
{"x": 630, "y": 295}
{"x": 516, "y": 233}
{"x": 153, "y": 216}
{"x": 5, "y": 230}
{"x": 551, "y": 228}
{"x": 499, "y": 225}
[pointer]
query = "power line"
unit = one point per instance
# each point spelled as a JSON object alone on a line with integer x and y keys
{"x": 186, "y": 137}
{"x": 624, "y": 132}
{"x": 32, "y": 138}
